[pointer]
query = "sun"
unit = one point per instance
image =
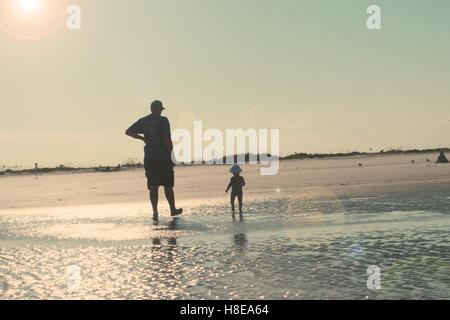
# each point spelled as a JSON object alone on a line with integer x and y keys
{"x": 29, "y": 5}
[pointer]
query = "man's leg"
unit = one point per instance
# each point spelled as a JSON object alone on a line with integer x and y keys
{"x": 168, "y": 180}
{"x": 170, "y": 196}
{"x": 151, "y": 172}
{"x": 154, "y": 201}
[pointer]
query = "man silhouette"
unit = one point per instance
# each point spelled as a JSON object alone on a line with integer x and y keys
{"x": 154, "y": 130}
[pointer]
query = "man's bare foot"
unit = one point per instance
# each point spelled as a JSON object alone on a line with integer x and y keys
{"x": 177, "y": 212}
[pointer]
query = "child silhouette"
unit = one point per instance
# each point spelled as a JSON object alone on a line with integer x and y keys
{"x": 236, "y": 184}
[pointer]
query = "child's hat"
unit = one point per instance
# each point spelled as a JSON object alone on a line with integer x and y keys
{"x": 235, "y": 169}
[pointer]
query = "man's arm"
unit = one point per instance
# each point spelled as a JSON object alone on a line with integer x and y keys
{"x": 133, "y": 132}
{"x": 134, "y": 135}
{"x": 168, "y": 143}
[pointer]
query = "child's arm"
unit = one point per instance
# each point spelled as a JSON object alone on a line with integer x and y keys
{"x": 229, "y": 185}
{"x": 243, "y": 181}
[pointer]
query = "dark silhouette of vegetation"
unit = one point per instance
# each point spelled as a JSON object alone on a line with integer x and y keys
{"x": 356, "y": 153}
{"x": 62, "y": 168}
{"x": 224, "y": 160}
{"x": 246, "y": 157}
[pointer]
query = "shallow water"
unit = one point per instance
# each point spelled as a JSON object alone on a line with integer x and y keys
{"x": 279, "y": 249}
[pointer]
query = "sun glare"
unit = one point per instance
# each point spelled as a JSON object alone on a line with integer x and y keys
{"x": 29, "y": 5}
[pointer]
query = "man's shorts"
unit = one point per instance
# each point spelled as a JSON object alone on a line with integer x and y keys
{"x": 159, "y": 172}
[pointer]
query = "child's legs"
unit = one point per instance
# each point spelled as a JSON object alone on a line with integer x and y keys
{"x": 233, "y": 196}
{"x": 240, "y": 201}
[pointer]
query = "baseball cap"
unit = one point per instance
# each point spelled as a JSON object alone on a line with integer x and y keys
{"x": 157, "y": 104}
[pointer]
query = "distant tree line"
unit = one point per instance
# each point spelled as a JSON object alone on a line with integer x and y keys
{"x": 357, "y": 153}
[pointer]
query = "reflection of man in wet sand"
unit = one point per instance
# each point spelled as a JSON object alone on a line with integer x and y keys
{"x": 172, "y": 240}
{"x": 154, "y": 130}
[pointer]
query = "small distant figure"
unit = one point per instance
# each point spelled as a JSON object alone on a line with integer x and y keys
{"x": 360, "y": 164}
{"x": 442, "y": 158}
{"x": 36, "y": 170}
{"x": 428, "y": 160}
{"x": 412, "y": 161}
{"x": 236, "y": 184}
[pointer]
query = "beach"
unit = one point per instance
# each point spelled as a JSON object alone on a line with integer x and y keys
{"x": 309, "y": 232}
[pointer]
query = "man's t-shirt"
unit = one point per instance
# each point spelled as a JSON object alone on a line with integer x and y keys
{"x": 154, "y": 128}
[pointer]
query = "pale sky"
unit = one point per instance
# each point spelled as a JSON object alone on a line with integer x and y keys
{"x": 310, "y": 68}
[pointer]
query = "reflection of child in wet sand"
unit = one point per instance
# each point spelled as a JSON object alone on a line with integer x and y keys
{"x": 236, "y": 184}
